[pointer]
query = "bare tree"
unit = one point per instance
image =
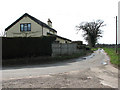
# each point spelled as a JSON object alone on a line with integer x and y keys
{"x": 92, "y": 31}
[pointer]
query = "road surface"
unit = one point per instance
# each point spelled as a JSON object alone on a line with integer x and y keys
{"x": 95, "y": 59}
{"x": 97, "y": 63}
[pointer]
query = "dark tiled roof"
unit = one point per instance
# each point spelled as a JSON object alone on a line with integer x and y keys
{"x": 34, "y": 19}
{"x": 59, "y": 36}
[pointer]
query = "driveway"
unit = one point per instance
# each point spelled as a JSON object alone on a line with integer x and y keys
{"x": 95, "y": 67}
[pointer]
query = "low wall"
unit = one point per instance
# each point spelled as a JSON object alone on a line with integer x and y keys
{"x": 66, "y": 49}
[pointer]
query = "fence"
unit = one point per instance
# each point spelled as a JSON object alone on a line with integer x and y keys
{"x": 26, "y": 47}
{"x": 66, "y": 49}
{"x": 30, "y": 47}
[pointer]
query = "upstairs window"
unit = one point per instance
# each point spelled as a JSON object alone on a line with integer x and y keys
{"x": 25, "y": 27}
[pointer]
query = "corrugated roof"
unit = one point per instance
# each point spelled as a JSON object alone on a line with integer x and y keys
{"x": 34, "y": 19}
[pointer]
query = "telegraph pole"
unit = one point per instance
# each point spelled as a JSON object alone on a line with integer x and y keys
{"x": 116, "y": 34}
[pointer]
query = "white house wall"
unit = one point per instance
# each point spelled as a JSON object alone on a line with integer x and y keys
{"x": 45, "y": 30}
{"x": 52, "y": 32}
{"x": 62, "y": 40}
{"x": 36, "y": 29}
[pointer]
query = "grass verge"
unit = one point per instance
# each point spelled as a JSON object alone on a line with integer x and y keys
{"x": 94, "y": 49}
{"x": 114, "y": 59}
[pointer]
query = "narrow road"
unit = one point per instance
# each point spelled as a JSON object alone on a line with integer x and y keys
{"x": 84, "y": 72}
{"x": 95, "y": 59}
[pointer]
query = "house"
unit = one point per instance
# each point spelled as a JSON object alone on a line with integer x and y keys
{"x": 29, "y": 26}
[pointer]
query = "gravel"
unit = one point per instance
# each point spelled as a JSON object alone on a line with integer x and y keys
{"x": 73, "y": 79}
{"x": 88, "y": 73}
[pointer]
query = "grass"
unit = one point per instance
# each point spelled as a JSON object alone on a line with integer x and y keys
{"x": 94, "y": 49}
{"x": 113, "y": 56}
{"x": 114, "y": 59}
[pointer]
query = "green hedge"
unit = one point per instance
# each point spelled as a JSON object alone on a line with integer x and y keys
{"x": 26, "y": 46}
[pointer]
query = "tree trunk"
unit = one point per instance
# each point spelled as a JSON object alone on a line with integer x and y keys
{"x": 89, "y": 41}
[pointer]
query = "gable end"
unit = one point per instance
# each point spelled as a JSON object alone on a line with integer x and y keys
{"x": 34, "y": 19}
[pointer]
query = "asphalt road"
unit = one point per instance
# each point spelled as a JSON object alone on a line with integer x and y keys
{"x": 97, "y": 58}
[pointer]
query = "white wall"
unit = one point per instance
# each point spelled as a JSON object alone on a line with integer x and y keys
{"x": 36, "y": 29}
{"x": 66, "y": 49}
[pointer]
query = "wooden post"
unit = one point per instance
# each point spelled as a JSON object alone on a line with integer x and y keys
{"x": 116, "y": 34}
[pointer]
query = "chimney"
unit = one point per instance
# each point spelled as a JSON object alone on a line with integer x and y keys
{"x": 49, "y": 23}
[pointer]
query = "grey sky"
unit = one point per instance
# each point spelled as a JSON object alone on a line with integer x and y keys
{"x": 65, "y": 15}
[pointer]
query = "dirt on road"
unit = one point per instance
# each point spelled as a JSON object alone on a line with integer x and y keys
{"x": 87, "y": 78}
{"x": 94, "y": 75}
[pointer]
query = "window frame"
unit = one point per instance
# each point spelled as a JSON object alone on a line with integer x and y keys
{"x": 27, "y": 24}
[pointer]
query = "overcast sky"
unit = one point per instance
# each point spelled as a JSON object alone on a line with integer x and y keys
{"x": 64, "y": 14}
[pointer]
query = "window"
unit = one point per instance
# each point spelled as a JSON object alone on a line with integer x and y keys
{"x": 25, "y": 27}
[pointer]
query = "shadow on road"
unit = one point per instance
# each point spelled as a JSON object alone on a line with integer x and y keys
{"x": 48, "y": 64}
